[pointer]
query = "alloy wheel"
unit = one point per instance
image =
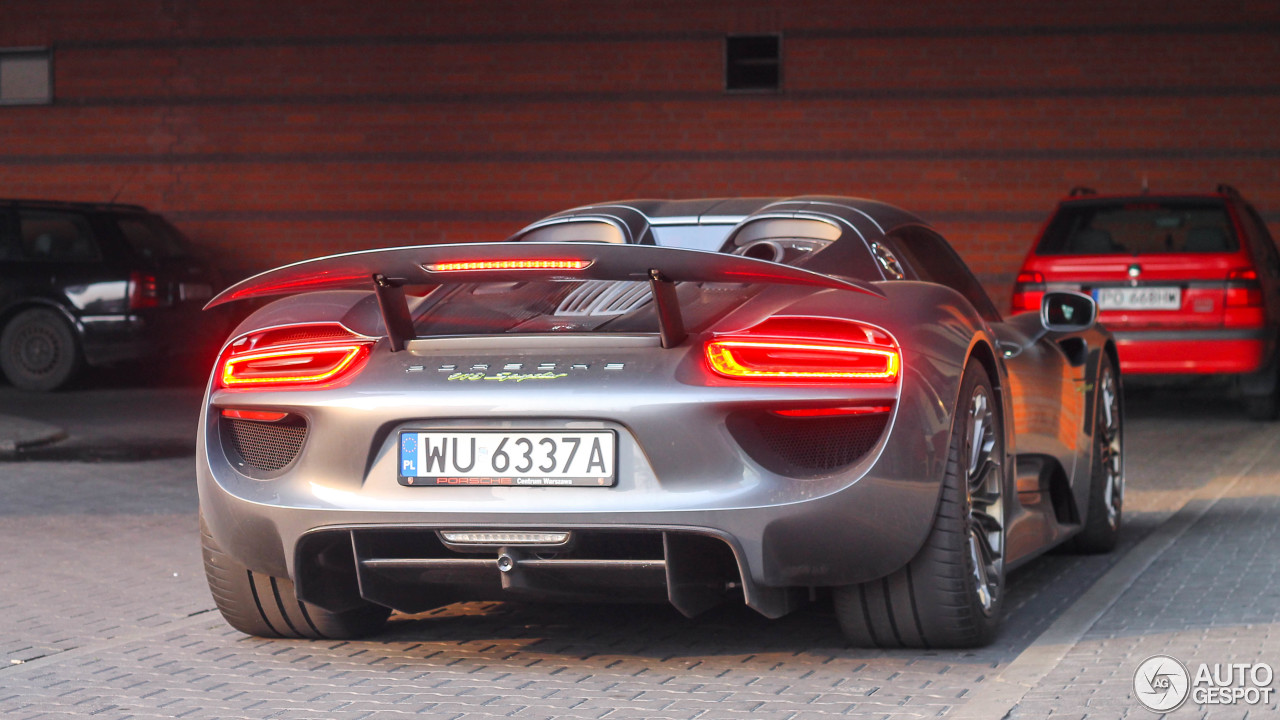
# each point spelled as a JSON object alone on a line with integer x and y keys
{"x": 984, "y": 482}
{"x": 1110, "y": 445}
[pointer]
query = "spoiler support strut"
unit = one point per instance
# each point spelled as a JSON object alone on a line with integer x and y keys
{"x": 394, "y": 307}
{"x": 670, "y": 321}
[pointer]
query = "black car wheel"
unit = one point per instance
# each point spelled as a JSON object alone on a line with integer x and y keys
{"x": 258, "y": 604}
{"x": 38, "y": 350}
{"x": 950, "y": 594}
{"x": 1106, "y": 486}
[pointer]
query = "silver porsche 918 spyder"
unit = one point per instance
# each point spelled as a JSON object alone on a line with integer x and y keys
{"x": 699, "y": 401}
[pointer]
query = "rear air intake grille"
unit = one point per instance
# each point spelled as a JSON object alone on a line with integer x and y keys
{"x": 806, "y": 447}
{"x": 265, "y": 446}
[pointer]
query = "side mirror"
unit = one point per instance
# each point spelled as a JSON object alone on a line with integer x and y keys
{"x": 1067, "y": 312}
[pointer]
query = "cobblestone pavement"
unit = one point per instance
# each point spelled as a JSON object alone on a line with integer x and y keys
{"x": 104, "y": 613}
{"x": 1214, "y": 598}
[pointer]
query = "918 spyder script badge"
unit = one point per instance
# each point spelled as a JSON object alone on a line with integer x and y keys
{"x": 505, "y": 376}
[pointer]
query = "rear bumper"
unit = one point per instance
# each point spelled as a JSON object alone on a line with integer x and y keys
{"x": 1194, "y": 352}
{"x": 685, "y": 525}
{"x": 864, "y": 531}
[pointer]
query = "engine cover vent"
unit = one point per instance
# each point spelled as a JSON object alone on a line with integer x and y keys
{"x": 604, "y": 297}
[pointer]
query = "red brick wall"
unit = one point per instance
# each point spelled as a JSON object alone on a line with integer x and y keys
{"x": 273, "y": 131}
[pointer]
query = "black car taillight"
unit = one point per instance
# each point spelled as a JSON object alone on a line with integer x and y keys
{"x": 1028, "y": 291}
{"x": 144, "y": 290}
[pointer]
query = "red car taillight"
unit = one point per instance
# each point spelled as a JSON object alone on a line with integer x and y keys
{"x": 255, "y": 415}
{"x": 798, "y": 349}
{"x": 144, "y": 291}
{"x": 302, "y": 356}
{"x": 537, "y": 264}
{"x": 1243, "y": 288}
{"x": 842, "y": 411}
{"x": 1028, "y": 291}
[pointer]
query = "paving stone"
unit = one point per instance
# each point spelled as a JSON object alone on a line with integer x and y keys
{"x": 1214, "y": 597}
{"x": 105, "y": 626}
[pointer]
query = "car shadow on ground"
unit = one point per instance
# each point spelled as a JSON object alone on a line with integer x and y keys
{"x": 103, "y": 451}
{"x": 575, "y": 633}
{"x": 590, "y": 629}
{"x": 177, "y": 372}
{"x": 1189, "y": 400}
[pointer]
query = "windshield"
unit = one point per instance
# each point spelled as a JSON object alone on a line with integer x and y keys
{"x": 1140, "y": 228}
{"x": 614, "y": 306}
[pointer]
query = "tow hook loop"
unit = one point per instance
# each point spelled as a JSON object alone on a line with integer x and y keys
{"x": 506, "y": 563}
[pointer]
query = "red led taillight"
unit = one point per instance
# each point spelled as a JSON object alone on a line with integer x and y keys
{"x": 807, "y": 350}
{"x": 1243, "y": 288}
{"x": 293, "y": 366}
{"x": 255, "y": 415}
{"x": 322, "y": 355}
{"x": 540, "y": 264}
{"x": 1028, "y": 291}
{"x": 844, "y": 411}
{"x": 144, "y": 291}
{"x": 800, "y": 360}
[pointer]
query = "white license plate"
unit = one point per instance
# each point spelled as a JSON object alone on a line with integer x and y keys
{"x": 1138, "y": 298}
{"x": 542, "y": 458}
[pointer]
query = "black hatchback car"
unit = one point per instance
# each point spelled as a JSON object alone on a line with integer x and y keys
{"x": 93, "y": 284}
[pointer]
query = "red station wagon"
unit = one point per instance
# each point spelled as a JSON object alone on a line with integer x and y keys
{"x": 1189, "y": 284}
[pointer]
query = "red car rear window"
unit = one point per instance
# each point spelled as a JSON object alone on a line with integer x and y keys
{"x": 1140, "y": 227}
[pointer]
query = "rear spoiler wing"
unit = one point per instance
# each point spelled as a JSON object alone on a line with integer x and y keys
{"x": 387, "y": 271}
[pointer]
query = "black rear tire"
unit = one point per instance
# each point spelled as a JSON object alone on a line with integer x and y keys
{"x": 38, "y": 350}
{"x": 1106, "y": 481}
{"x": 951, "y": 593}
{"x": 266, "y": 606}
